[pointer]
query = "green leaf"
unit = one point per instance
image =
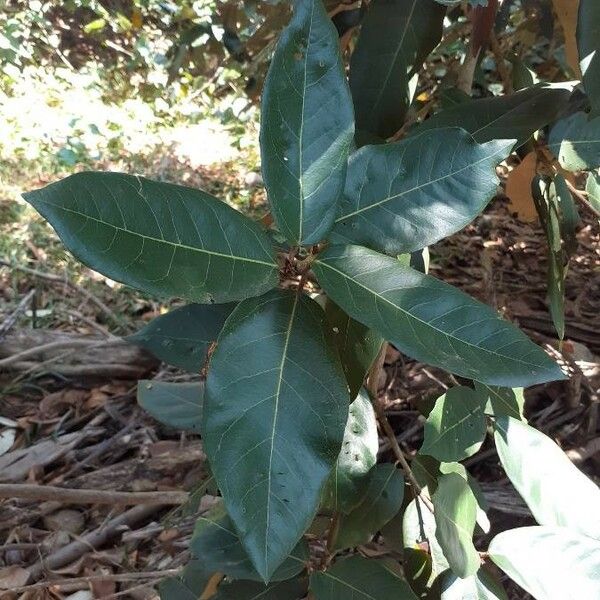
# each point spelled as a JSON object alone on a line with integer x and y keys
{"x": 381, "y": 502}
{"x": 515, "y": 116}
{"x": 403, "y": 196}
{"x": 358, "y": 345}
{"x": 481, "y": 586}
{"x": 592, "y": 187}
{"x": 455, "y": 511}
{"x": 426, "y": 470}
{"x": 293, "y": 589}
{"x": 551, "y": 563}
{"x": 307, "y": 126}
{"x": 414, "y": 525}
{"x": 161, "y": 238}
{"x": 183, "y": 336}
{"x": 430, "y": 320}
{"x": 349, "y": 480}
{"x": 178, "y": 405}
{"x": 575, "y": 141}
{"x": 556, "y": 491}
{"x": 188, "y": 586}
{"x": 501, "y": 401}
{"x": 395, "y": 38}
{"x": 216, "y": 543}
{"x": 276, "y": 406}
{"x": 588, "y": 43}
{"x": 359, "y": 578}
{"x": 455, "y": 428}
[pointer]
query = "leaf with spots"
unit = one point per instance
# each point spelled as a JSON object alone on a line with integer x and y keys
{"x": 276, "y": 406}
{"x": 307, "y": 126}
{"x": 430, "y": 320}
{"x": 161, "y": 238}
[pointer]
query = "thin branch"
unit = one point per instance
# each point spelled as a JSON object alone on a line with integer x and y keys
{"x": 74, "y": 496}
{"x": 8, "y": 323}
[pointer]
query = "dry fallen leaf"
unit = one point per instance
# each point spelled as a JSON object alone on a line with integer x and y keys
{"x": 566, "y": 11}
{"x": 13, "y": 577}
{"x": 518, "y": 189}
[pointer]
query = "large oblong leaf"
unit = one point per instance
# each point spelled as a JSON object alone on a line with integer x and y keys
{"x": 275, "y": 409}
{"x": 293, "y": 589}
{"x": 575, "y": 141}
{"x": 481, "y": 586}
{"x": 455, "y": 511}
{"x": 551, "y": 563}
{"x": 403, "y": 196}
{"x": 395, "y": 38}
{"x": 348, "y": 482}
{"x": 359, "y": 578}
{"x": 430, "y": 320}
{"x": 588, "y": 43}
{"x": 555, "y": 490}
{"x": 307, "y": 125}
{"x": 161, "y": 238}
{"x": 516, "y": 116}
{"x": 183, "y": 336}
{"x": 178, "y": 405}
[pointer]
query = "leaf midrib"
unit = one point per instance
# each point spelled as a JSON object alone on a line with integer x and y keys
{"x": 425, "y": 322}
{"x": 155, "y": 239}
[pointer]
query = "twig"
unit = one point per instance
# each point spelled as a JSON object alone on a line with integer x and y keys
{"x": 117, "y": 577}
{"x": 387, "y": 428}
{"x": 76, "y": 496}
{"x": 8, "y": 323}
{"x": 582, "y": 197}
{"x": 117, "y": 370}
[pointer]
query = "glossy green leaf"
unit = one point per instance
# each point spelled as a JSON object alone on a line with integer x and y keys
{"x": 575, "y": 141}
{"x": 382, "y": 501}
{"x": 430, "y": 320}
{"x": 358, "y": 345}
{"x": 551, "y": 563}
{"x": 481, "y": 586}
{"x": 359, "y": 578}
{"x": 455, "y": 428}
{"x": 307, "y": 126}
{"x": 592, "y": 187}
{"x": 395, "y": 38}
{"x": 556, "y": 491}
{"x": 216, "y": 543}
{"x": 426, "y": 470}
{"x": 349, "y": 480}
{"x": 188, "y": 586}
{"x": 294, "y": 589}
{"x": 455, "y": 511}
{"x": 502, "y": 401}
{"x": 183, "y": 336}
{"x": 588, "y": 43}
{"x": 178, "y": 405}
{"x": 276, "y": 406}
{"x": 515, "y": 116}
{"x": 161, "y": 238}
{"x": 414, "y": 525}
{"x": 402, "y": 196}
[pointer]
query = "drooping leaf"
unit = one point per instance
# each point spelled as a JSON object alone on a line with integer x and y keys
{"x": 455, "y": 511}
{"x": 502, "y": 401}
{"x": 358, "y": 345}
{"x": 307, "y": 126}
{"x": 161, "y": 238}
{"x": 557, "y": 493}
{"x": 551, "y": 563}
{"x": 592, "y": 187}
{"x": 294, "y": 589}
{"x": 515, "y": 116}
{"x": 419, "y": 532}
{"x": 430, "y": 320}
{"x": 575, "y": 141}
{"x": 403, "y": 196}
{"x": 216, "y": 543}
{"x": 382, "y": 501}
{"x": 481, "y": 586}
{"x": 349, "y": 480}
{"x": 360, "y": 579}
{"x": 588, "y": 42}
{"x": 178, "y": 405}
{"x": 276, "y": 405}
{"x": 183, "y": 336}
{"x": 395, "y": 38}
